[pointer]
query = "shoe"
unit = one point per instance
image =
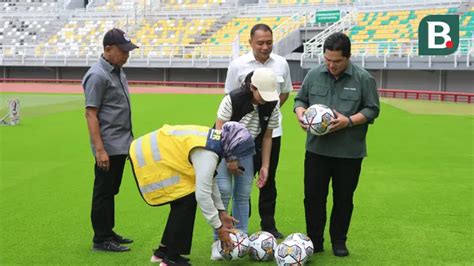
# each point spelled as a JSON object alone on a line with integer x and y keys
{"x": 318, "y": 248}
{"x": 275, "y": 233}
{"x": 178, "y": 261}
{"x": 155, "y": 259}
{"x": 159, "y": 255}
{"x": 121, "y": 240}
{"x": 110, "y": 245}
{"x": 215, "y": 255}
{"x": 340, "y": 250}
{"x": 318, "y": 244}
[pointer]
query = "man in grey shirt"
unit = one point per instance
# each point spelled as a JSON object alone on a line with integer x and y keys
{"x": 108, "y": 116}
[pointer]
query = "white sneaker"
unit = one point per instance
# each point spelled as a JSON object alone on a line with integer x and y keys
{"x": 215, "y": 255}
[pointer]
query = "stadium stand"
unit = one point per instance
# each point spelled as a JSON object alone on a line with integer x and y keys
{"x": 30, "y": 5}
{"x": 239, "y": 26}
{"x": 306, "y": 2}
{"x": 115, "y": 5}
{"x": 77, "y": 38}
{"x": 193, "y": 4}
{"x": 204, "y": 35}
{"x": 389, "y": 31}
{"x": 150, "y": 5}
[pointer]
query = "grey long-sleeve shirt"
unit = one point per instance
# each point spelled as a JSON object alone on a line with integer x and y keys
{"x": 208, "y": 196}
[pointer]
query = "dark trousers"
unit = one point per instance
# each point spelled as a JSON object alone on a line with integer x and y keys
{"x": 178, "y": 234}
{"x": 268, "y": 193}
{"x": 106, "y": 186}
{"x": 318, "y": 170}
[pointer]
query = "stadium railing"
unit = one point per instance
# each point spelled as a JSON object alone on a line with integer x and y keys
{"x": 401, "y": 49}
{"x": 420, "y": 95}
{"x": 406, "y": 50}
{"x": 405, "y": 4}
{"x": 463, "y": 97}
{"x": 132, "y": 82}
{"x": 428, "y": 95}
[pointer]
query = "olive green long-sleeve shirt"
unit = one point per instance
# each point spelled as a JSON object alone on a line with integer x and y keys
{"x": 355, "y": 91}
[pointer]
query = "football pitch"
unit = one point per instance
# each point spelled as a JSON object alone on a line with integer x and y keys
{"x": 414, "y": 204}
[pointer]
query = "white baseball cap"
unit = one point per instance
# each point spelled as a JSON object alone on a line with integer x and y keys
{"x": 265, "y": 81}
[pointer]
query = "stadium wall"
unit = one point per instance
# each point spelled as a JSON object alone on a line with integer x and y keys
{"x": 432, "y": 80}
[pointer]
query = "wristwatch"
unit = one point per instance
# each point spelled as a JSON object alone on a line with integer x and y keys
{"x": 350, "y": 121}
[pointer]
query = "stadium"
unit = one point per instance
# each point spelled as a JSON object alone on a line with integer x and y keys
{"x": 414, "y": 201}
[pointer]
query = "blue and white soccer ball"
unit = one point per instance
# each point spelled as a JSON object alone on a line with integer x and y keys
{"x": 318, "y": 117}
{"x": 240, "y": 249}
{"x": 290, "y": 252}
{"x": 262, "y": 246}
{"x": 304, "y": 240}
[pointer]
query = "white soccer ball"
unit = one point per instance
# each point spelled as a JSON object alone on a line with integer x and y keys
{"x": 290, "y": 252}
{"x": 262, "y": 246}
{"x": 318, "y": 117}
{"x": 241, "y": 245}
{"x": 304, "y": 240}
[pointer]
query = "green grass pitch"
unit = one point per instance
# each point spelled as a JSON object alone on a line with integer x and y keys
{"x": 414, "y": 204}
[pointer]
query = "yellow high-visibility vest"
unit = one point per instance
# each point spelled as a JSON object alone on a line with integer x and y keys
{"x": 160, "y": 161}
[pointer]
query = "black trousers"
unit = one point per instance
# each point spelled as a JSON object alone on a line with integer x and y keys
{"x": 178, "y": 234}
{"x": 268, "y": 193}
{"x": 318, "y": 170}
{"x": 106, "y": 186}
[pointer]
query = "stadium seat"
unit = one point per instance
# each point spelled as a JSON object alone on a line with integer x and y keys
{"x": 239, "y": 26}
{"x": 380, "y": 32}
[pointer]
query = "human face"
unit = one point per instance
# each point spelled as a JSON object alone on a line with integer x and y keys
{"x": 262, "y": 45}
{"x": 335, "y": 62}
{"x": 257, "y": 98}
{"x": 115, "y": 55}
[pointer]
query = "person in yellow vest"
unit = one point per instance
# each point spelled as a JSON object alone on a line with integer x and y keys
{"x": 176, "y": 165}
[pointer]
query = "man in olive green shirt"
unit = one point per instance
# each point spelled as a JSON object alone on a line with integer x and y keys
{"x": 351, "y": 92}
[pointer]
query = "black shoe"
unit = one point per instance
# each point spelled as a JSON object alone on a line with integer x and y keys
{"x": 275, "y": 233}
{"x": 160, "y": 255}
{"x": 340, "y": 250}
{"x": 110, "y": 245}
{"x": 177, "y": 260}
{"x": 121, "y": 240}
{"x": 318, "y": 244}
{"x": 318, "y": 248}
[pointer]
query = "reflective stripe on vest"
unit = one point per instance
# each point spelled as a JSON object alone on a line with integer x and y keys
{"x": 187, "y": 132}
{"x": 139, "y": 153}
{"x": 154, "y": 146}
{"x": 160, "y": 185}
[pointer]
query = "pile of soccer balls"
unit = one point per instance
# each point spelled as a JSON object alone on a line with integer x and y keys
{"x": 262, "y": 246}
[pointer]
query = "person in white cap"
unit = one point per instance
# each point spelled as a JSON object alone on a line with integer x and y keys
{"x": 255, "y": 105}
{"x": 262, "y": 55}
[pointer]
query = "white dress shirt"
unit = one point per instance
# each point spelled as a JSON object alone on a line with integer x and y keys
{"x": 241, "y": 66}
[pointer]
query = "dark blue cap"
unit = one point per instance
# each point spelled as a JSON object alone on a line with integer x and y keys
{"x": 119, "y": 37}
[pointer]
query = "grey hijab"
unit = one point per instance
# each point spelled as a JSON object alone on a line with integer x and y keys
{"x": 236, "y": 141}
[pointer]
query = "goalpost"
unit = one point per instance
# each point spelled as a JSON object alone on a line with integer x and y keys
{"x": 13, "y": 116}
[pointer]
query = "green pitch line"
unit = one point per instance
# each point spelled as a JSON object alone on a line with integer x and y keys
{"x": 413, "y": 205}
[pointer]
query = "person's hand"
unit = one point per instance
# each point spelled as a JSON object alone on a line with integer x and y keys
{"x": 223, "y": 235}
{"x": 341, "y": 121}
{"x": 227, "y": 220}
{"x": 262, "y": 177}
{"x": 102, "y": 160}
{"x": 299, "y": 111}
{"x": 234, "y": 168}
